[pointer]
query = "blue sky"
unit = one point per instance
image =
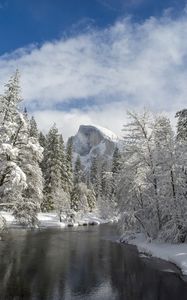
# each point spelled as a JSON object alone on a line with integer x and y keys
{"x": 88, "y": 61}
{"x": 23, "y": 22}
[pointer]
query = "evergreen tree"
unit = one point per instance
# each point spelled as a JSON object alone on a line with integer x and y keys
{"x": 12, "y": 177}
{"x": 30, "y": 156}
{"x": 78, "y": 172}
{"x": 75, "y": 197}
{"x": 91, "y": 198}
{"x": 69, "y": 165}
{"x": 82, "y": 198}
{"x": 33, "y": 128}
{"x": 95, "y": 178}
{"x": 64, "y": 171}
{"x": 116, "y": 161}
{"x": 106, "y": 202}
{"x": 54, "y": 195}
{"x": 116, "y": 168}
{"x": 15, "y": 155}
{"x": 52, "y": 175}
{"x": 43, "y": 143}
{"x": 42, "y": 140}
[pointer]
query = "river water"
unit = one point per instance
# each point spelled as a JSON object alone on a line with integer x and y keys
{"x": 80, "y": 263}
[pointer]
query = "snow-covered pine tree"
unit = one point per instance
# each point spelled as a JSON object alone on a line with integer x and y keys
{"x": 64, "y": 173}
{"x": 43, "y": 143}
{"x": 116, "y": 168}
{"x": 12, "y": 177}
{"x": 42, "y": 139}
{"x": 82, "y": 198}
{"x": 30, "y": 156}
{"x": 116, "y": 161}
{"x": 78, "y": 171}
{"x": 106, "y": 202}
{"x": 54, "y": 195}
{"x": 33, "y": 129}
{"x": 95, "y": 177}
{"x": 75, "y": 198}
{"x": 69, "y": 165}
{"x": 91, "y": 198}
{"x": 76, "y": 191}
{"x": 19, "y": 170}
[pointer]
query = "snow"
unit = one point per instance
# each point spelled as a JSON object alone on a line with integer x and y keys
{"x": 93, "y": 141}
{"x": 107, "y": 133}
{"x": 52, "y": 220}
{"x": 174, "y": 253}
{"x": 8, "y": 217}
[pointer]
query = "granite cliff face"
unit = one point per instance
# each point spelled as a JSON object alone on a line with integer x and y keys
{"x": 94, "y": 141}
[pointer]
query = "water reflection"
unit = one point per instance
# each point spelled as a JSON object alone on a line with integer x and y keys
{"x": 76, "y": 264}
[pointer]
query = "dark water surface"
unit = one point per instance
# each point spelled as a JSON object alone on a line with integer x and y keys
{"x": 76, "y": 264}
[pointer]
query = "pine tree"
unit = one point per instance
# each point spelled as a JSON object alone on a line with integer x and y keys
{"x": 75, "y": 197}
{"x": 33, "y": 129}
{"x": 116, "y": 168}
{"x": 78, "y": 172}
{"x": 95, "y": 178}
{"x": 91, "y": 198}
{"x": 64, "y": 171}
{"x": 19, "y": 169}
{"x": 82, "y": 198}
{"x": 42, "y": 140}
{"x": 116, "y": 161}
{"x": 43, "y": 143}
{"x": 69, "y": 165}
{"x": 54, "y": 195}
{"x": 52, "y": 176}
{"x": 106, "y": 202}
{"x": 12, "y": 177}
{"x": 30, "y": 156}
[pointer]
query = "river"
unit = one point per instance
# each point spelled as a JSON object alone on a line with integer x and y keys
{"x": 80, "y": 263}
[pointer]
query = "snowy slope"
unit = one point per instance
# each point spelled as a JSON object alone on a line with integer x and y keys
{"x": 52, "y": 220}
{"x": 175, "y": 253}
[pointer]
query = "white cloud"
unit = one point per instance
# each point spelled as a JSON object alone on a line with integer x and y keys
{"x": 108, "y": 116}
{"x": 135, "y": 64}
{"x": 69, "y": 122}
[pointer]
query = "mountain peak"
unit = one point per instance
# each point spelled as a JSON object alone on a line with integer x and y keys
{"x": 94, "y": 141}
{"x": 106, "y": 133}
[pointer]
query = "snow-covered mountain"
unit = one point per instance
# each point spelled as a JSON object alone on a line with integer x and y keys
{"x": 94, "y": 141}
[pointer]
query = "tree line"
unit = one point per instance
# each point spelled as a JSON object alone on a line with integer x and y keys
{"x": 152, "y": 183}
{"x": 37, "y": 171}
{"x": 145, "y": 183}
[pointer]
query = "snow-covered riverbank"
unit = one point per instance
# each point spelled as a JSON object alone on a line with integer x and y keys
{"x": 174, "y": 253}
{"x": 52, "y": 220}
